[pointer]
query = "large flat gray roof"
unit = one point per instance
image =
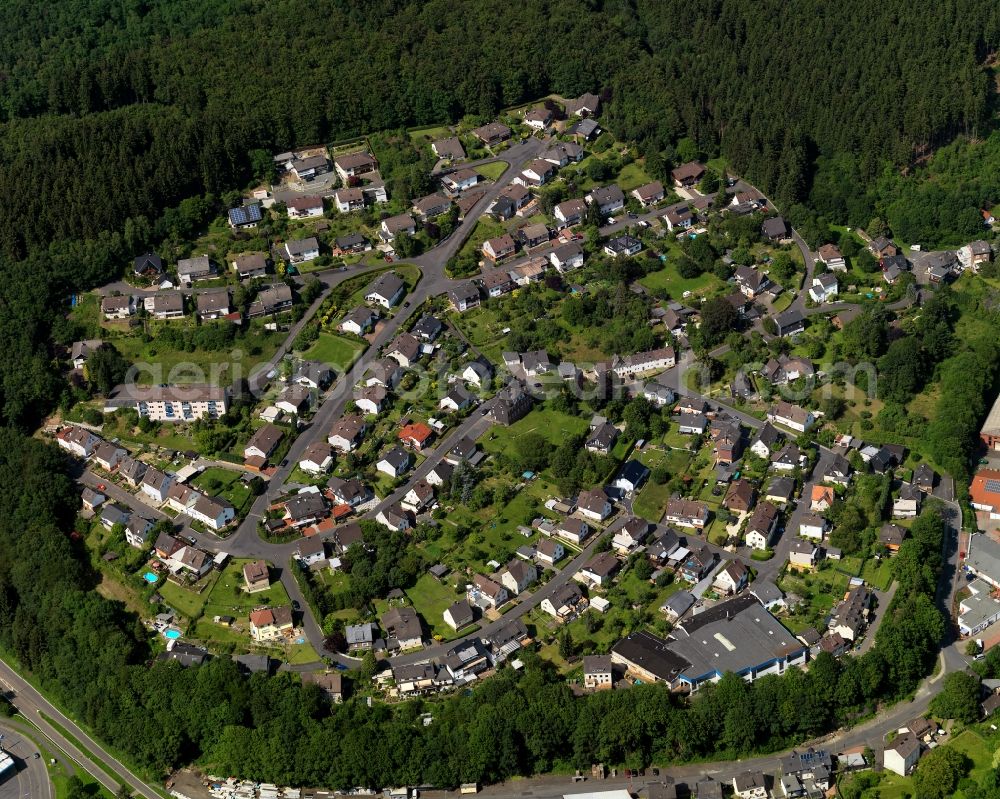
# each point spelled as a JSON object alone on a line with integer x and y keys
{"x": 984, "y": 558}
{"x": 749, "y": 637}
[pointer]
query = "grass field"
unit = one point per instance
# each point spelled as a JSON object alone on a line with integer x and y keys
{"x": 492, "y": 171}
{"x": 225, "y": 483}
{"x": 669, "y": 280}
{"x": 552, "y": 425}
{"x": 187, "y": 601}
{"x": 632, "y": 176}
{"x": 430, "y": 599}
{"x": 878, "y": 575}
{"x": 338, "y": 352}
{"x": 167, "y": 365}
{"x": 227, "y": 597}
{"x": 418, "y": 135}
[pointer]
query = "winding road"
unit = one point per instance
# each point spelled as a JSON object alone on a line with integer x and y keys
{"x": 245, "y": 541}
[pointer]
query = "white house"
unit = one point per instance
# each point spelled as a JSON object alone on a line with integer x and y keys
{"x": 791, "y": 416}
{"x": 902, "y": 755}
{"x": 78, "y": 441}
{"x": 813, "y": 527}
{"x": 824, "y": 287}
{"x": 317, "y": 458}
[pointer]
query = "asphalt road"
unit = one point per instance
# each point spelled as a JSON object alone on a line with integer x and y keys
{"x": 30, "y": 776}
{"x": 96, "y": 761}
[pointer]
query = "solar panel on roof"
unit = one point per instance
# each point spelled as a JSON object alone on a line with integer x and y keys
{"x": 993, "y": 486}
{"x": 245, "y": 214}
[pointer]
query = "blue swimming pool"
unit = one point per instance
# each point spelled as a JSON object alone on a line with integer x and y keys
{"x": 173, "y": 635}
{"x": 150, "y": 577}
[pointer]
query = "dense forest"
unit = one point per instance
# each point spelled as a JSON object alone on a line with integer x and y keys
{"x": 113, "y": 115}
{"x": 93, "y": 658}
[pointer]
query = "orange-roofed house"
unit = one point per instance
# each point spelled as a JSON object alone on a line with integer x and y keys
{"x": 985, "y": 492}
{"x": 416, "y": 435}
{"x": 340, "y": 511}
{"x": 269, "y": 624}
{"x": 821, "y": 499}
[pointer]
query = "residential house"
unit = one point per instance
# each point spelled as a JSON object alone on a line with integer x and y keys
{"x": 132, "y": 470}
{"x": 273, "y": 299}
{"x": 459, "y": 615}
{"x": 677, "y": 604}
{"x": 586, "y": 105}
{"x": 499, "y": 248}
{"x": 740, "y": 496}
{"x": 775, "y": 228}
{"x": 518, "y": 576}
{"x": 850, "y": 616}
{"x": 449, "y": 148}
{"x": 404, "y": 349}
{"x": 761, "y": 526}
{"x": 562, "y": 153}
{"x": 478, "y": 371}
{"x": 399, "y": 225}
{"x": 305, "y": 207}
{"x": 300, "y": 251}
{"x": 394, "y": 517}
{"x": 832, "y": 258}
{"x": 461, "y": 180}
{"x": 212, "y": 304}
{"x": 788, "y": 458}
{"x": 687, "y": 513}
{"x": 349, "y": 199}
{"x": 608, "y": 199}
{"x": 631, "y": 476}
{"x": 569, "y": 213}
{"x": 263, "y": 442}
{"x": 246, "y": 216}
{"x": 533, "y": 235}
{"x": 395, "y": 462}
{"x": 352, "y": 165}
{"x": 351, "y": 243}
{"x": 305, "y": 508}
{"x": 838, "y": 471}
{"x": 697, "y": 564}
{"x": 78, "y": 441}
{"x": 623, "y": 246}
{"x": 165, "y": 305}
{"x": 386, "y": 291}
{"x": 902, "y": 755}
{"x": 751, "y": 282}
{"x": 750, "y": 785}
{"x": 198, "y": 268}
{"x": 692, "y": 424}
{"x": 370, "y": 399}
{"x": 802, "y": 554}
{"x": 882, "y": 247}
{"x": 790, "y": 323}
{"x": 402, "y": 627}
{"x": 82, "y": 350}
{"x": 148, "y": 265}
{"x": 537, "y": 173}
{"x": 349, "y": 492}
{"x": 270, "y": 624}
{"x": 767, "y": 442}
{"x": 256, "y": 576}
{"x": 566, "y": 603}
{"x": 600, "y": 569}
{"x": 120, "y": 306}
{"x": 731, "y": 578}
{"x": 678, "y": 217}
{"x": 688, "y": 175}
{"x": 812, "y": 526}
{"x": 573, "y": 530}
{"x": 649, "y": 194}
{"x": 497, "y": 282}
{"x": 891, "y": 536}
{"x": 361, "y": 637}
{"x": 309, "y": 167}
{"x": 358, "y": 321}
{"x": 311, "y": 551}
{"x": 137, "y": 531}
{"x": 791, "y": 416}
{"x": 295, "y": 400}
{"x": 602, "y": 437}
{"x": 492, "y": 133}
{"x": 457, "y": 399}
{"x": 538, "y": 118}
{"x": 156, "y": 485}
{"x": 974, "y": 254}
{"x": 384, "y": 372}
{"x": 594, "y": 504}
{"x": 415, "y": 435}
{"x": 598, "y": 674}
{"x": 107, "y": 455}
{"x": 317, "y": 458}
{"x": 824, "y": 288}
{"x": 780, "y": 490}
{"x": 250, "y": 265}
{"x": 549, "y": 551}
{"x": 487, "y": 592}
{"x": 347, "y": 432}
{"x": 511, "y": 404}
{"x": 112, "y": 514}
{"x": 432, "y": 205}
{"x": 907, "y": 504}
{"x": 330, "y": 683}
{"x": 464, "y": 297}
{"x": 567, "y": 257}
{"x": 630, "y": 535}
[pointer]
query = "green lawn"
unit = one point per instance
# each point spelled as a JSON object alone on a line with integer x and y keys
{"x": 492, "y": 171}
{"x": 227, "y": 597}
{"x": 418, "y": 135}
{"x": 552, "y": 425}
{"x": 651, "y": 501}
{"x": 186, "y": 601}
{"x": 669, "y": 280}
{"x": 179, "y": 366}
{"x": 430, "y": 599}
{"x": 339, "y": 352}
{"x": 632, "y": 176}
{"x": 226, "y": 483}
{"x": 876, "y": 574}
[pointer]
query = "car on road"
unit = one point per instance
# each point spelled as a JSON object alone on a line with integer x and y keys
{"x": 295, "y": 605}
{"x": 406, "y": 304}
{"x": 192, "y": 540}
{"x": 101, "y": 487}
{"x": 612, "y": 220}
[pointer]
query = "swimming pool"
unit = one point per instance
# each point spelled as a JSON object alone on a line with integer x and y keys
{"x": 173, "y": 635}
{"x": 150, "y": 577}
